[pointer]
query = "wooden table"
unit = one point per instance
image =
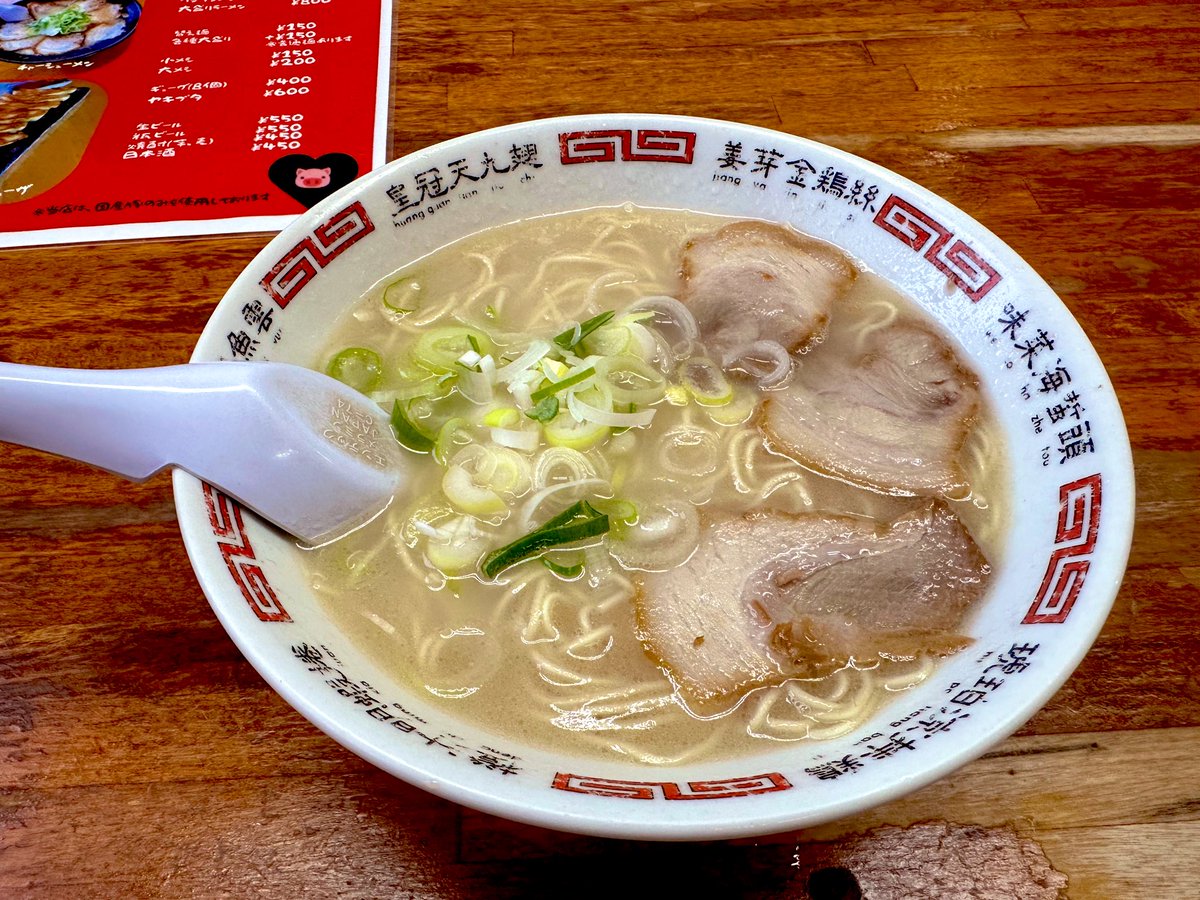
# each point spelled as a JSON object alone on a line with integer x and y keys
{"x": 141, "y": 756}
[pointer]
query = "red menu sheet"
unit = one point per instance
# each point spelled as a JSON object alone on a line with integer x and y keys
{"x": 125, "y": 119}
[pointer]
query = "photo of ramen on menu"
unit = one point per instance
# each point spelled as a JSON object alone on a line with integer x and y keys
{"x": 123, "y": 119}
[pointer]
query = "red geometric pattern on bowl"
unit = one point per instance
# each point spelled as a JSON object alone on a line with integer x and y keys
{"x": 225, "y": 517}
{"x": 930, "y": 238}
{"x": 1075, "y": 539}
{"x": 642, "y": 145}
{"x": 329, "y": 240}
{"x": 668, "y": 790}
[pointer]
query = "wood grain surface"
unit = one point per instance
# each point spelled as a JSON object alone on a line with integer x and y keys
{"x": 141, "y": 756}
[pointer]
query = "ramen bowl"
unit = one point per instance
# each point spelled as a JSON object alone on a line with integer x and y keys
{"x": 1067, "y": 452}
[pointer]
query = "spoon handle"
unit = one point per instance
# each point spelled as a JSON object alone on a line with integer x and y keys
{"x": 132, "y": 422}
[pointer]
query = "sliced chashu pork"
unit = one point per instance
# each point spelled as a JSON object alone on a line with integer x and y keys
{"x": 894, "y": 417}
{"x": 770, "y": 596}
{"x": 753, "y": 281}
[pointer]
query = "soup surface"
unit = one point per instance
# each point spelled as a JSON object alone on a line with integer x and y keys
{"x": 554, "y": 650}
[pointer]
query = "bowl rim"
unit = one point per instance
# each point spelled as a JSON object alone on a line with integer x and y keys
{"x": 1120, "y": 523}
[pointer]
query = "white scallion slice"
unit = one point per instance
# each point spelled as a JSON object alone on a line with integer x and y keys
{"x": 738, "y": 410}
{"x": 464, "y": 492}
{"x": 439, "y": 349}
{"x": 643, "y": 337}
{"x": 427, "y": 530}
{"x": 570, "y": 490}
{"x": 523, "y": 363}
{"x": 666, "y": 533}
{"x": 526, "y": 439}
{"x": 766, "y": 361}
{"x": 476, "y": 382}
{"x": 668, "y": 310}
{"x": 705, "y": 381}
{"x": 630, "y": 380}
{"x": 522, "y": 394}
{"x": 565, "y": 431}
{"x": 483, "y": 480}
{"x": 553, "y": 369}
{"x": 585, "y": 412}
{"x": 561, "y": 464}
{"x": 457, "y": 546}
{"x": 610, "y": 340}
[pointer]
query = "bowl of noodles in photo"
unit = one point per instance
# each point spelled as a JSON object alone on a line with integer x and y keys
{"x": 60, "y": 31}
{"x": 744, "y": 473}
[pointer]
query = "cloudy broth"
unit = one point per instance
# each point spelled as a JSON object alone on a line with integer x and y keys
{"x": 558, "y": 663}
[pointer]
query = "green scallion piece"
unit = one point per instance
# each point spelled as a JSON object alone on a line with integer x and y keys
{"x": 407, "y": 433}
{"x": 69, "y": 21}
{"x": 545, "y": 410}
{"x": 474, "y": 342}
{"x": 575, "y": 523}
{"x": 621, "y": 510}
{"x": 571, "y": 337}
{"x": 568, "y": 572}
{"x": 358, "y": 367}
{"x": 554, "y": 387}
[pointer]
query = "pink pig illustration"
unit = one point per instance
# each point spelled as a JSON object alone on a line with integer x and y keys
{"x": 312, "y": 178}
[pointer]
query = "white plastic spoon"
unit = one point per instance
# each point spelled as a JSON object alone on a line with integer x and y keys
{"x": 302, "y": 450}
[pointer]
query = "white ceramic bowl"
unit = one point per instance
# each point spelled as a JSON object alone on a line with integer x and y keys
{"x": 1072, "y": 484}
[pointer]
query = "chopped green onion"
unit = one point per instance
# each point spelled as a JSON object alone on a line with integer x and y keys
{"x": 574, "y": 511}
{"x": 705, "y": 381}
{"x": 740, "y": 407}
{"x": 440, "y": 349}
{"x": 448, "y": 439}
{"x": 461, "y": 489}
{"x": 588, "y": 412}
{"x": 630, "y": 380}
{"x": 575, "y": 523}
{"x": 407, "y": 433}
{"x": 553, "y": 369}
{"x": 611, "y": 340}
{"x": 555, "y": 386}
{"x": 677, "y": 395}
{"x": 402, "y": 296}
{"x": 575, "y": 334}
{"x": 621, "y": 510}
{"x": 516, "y": 368}
{"x": 456, "y": 547}
{"x": 564, "y": 431}
{"x": 69, "y": 21}
{"x": 502, "y": 417}
{"x": 358, "y": 367}
{"x": 545, "y": 409}
{"x": 568, "y": 572}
